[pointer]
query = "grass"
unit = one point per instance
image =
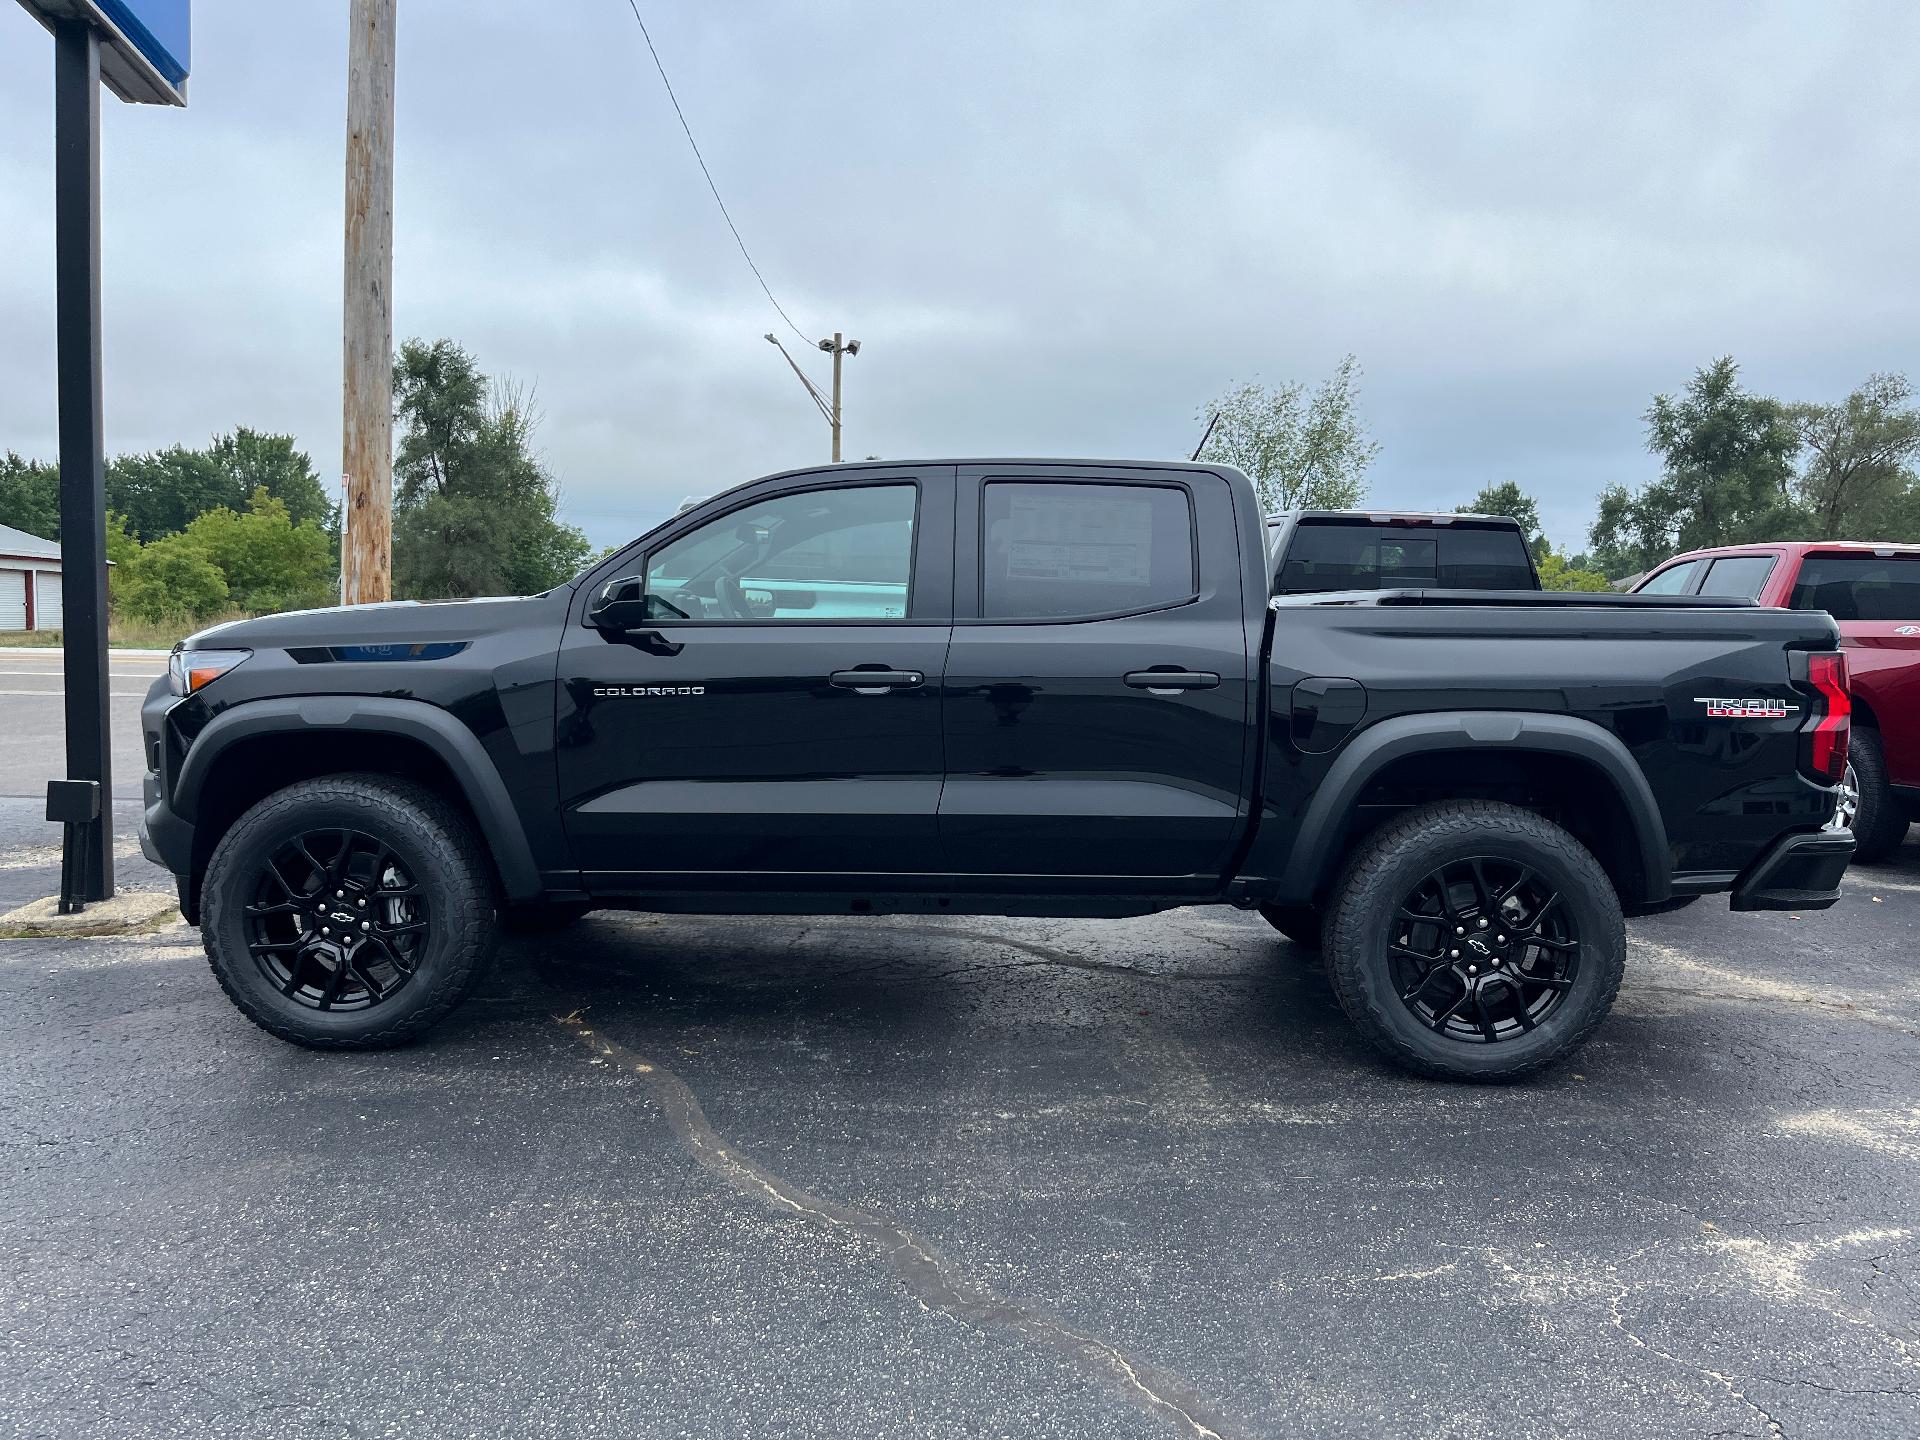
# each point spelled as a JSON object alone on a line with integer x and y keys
{"x": 124, "y": 633}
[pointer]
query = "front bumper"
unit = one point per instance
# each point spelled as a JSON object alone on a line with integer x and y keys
{"x": 1797, "y": 872}
{"x": 165, "y": 838}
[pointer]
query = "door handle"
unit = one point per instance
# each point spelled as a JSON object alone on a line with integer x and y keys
{"x": 1171, "y": 682}
{"x": 876, "y": 682}
{"x": 655, "y": 643}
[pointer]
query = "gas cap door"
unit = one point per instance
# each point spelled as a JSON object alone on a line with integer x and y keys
{"x": 1325, "y": 710}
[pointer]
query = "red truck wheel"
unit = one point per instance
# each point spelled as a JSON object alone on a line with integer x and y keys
{"x": 1879, "y": 820}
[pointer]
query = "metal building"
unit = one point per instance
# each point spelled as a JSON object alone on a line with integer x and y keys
{"x": 29, "y": 581}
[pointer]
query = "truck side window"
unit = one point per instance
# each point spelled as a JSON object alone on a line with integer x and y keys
{"x": 1741, "y": 575}
{"x": 1056, "y": 551}
{"x": 1673, "y": 581}
{"x": 843, "y": 554}
{"x": 1859, "y": 587}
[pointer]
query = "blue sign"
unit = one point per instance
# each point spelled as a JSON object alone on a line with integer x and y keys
{"x": 158, "y": 30}
{"x": 143, "y": 43}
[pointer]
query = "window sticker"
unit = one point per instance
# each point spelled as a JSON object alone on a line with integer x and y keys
{"x": 1106, "y": 539}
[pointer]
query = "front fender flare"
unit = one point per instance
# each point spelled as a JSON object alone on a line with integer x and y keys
{"x": 1315, "y": 846}
{"x": 478, "y": 777}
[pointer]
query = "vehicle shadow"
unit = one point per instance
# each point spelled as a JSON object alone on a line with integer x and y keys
{"x": 1237, "y": 987}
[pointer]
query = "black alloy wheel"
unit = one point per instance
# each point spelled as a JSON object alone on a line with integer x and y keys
{"x": 336, "y": 922}
{"x": 1485, "y": 949}
{"x": 348, "y": 912}
{"x": 1474, "y": 940}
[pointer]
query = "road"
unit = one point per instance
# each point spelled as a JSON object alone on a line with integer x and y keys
{"x": 773, "y": 1177}
{"x": 33, "y": 750}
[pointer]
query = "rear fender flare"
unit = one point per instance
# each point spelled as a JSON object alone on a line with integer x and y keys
{"x": 1315, "y": 850}
{"x": 500, "y": 828}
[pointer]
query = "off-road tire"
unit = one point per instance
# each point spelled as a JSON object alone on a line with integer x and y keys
{"x": 1880, "y": 826}
{"x": 1299, "y": 923}
{"x": 439, "y": 849}
{"x": 1392, "y": 860}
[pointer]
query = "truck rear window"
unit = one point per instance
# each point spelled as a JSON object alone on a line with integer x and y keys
{"x": 1859, "y": 587}
{"x": 1397, "y": 557}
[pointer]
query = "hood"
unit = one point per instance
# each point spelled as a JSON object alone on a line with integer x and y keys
{"x": 398, "y": 622}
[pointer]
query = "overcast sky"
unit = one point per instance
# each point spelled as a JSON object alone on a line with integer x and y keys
{"x": 1056, "y": 229}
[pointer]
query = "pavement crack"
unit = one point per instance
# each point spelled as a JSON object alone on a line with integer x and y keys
{"x": 926, "y": 1276}
{"x": 1619, "y": 1323}
{"x": 1047, "y": 954}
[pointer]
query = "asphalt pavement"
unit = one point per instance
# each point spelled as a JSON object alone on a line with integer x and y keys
{"x": 771, "y": 1177}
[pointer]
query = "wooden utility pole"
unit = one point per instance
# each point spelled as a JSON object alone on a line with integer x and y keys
{"x": 366, "y": 537}
{"x": 837, "y": 353}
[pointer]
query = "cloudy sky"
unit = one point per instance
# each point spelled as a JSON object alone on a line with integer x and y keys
{"x": 1056, "y": 229}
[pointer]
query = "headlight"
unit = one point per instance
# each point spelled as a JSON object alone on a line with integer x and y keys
{"x": 189, "y": 670}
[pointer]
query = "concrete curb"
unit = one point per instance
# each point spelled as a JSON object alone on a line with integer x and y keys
{"x": 131, "y": 912}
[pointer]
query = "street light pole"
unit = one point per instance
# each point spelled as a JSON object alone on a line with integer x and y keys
{"x": 829, "y": 407}
{"x": 88, "y": 861}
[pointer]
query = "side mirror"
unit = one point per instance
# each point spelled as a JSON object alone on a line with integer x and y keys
{"x": 621, "y": 605}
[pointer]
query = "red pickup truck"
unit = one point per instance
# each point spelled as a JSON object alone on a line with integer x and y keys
{"x": 1873, "y": 591}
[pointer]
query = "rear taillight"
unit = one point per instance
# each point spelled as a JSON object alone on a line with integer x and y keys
{"x": 1825, "y": 745}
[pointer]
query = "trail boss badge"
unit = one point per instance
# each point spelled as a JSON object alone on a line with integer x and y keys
{"x": 1720, "y": 708}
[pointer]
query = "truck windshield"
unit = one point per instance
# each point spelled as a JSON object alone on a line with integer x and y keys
{"x": 1859, "y": 587}
{"x": 1344, "y": 556}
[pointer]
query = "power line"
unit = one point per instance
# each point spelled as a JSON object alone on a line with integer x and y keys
{"x": 635, "y": 7}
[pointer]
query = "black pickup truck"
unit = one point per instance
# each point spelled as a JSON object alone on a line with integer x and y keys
{"x": 1003, "y": 687}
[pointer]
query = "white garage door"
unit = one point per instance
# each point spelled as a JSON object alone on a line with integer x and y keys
{"x": 13, "y": 599}
{"x": 46, "y": 600}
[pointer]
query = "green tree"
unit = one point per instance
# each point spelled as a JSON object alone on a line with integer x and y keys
{"x": 161, "y": 492}
{"x": 1557, "y": 572}
{"x": 122, "y": 551}
{"x": 30, "y": 496}
{"x": 266, "y": 561}
{"x": 474, "y": 509}
{"x": 1727, "y": 475}
{"x": 1301, "y": 451}
{"x": 1857, "y": 478}
{"x": 172, "y": 580}
{"x": 253, "y": 460}
{"x": 1507, "y": 498}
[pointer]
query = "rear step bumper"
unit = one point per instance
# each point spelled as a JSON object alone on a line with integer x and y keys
{"x": 1798, "y": 872}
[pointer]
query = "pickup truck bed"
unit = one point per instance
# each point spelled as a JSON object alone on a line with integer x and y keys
{"x": 1007, "y": 686}
{"x": 1584, "y": 706}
